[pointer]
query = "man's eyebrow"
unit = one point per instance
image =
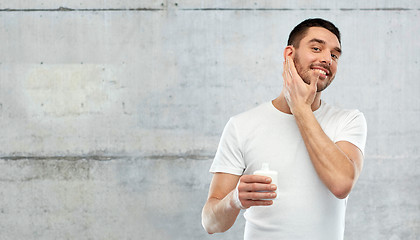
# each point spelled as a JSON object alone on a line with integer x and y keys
{"x": 338, "y": 49}
{"x": 320, "y": 41}
{"x": 317, "y": 40}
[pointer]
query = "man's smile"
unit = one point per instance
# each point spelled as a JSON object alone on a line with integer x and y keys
{"x": 323, "y": 72}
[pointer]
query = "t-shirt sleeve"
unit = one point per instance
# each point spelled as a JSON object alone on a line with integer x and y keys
{"x": 354, "y": 130}
{"x": 229, "y": 158}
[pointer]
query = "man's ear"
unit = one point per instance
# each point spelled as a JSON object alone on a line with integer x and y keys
{"x": 289, "y": 51}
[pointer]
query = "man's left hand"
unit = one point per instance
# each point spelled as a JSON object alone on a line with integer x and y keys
{"x": 298, "y": 94}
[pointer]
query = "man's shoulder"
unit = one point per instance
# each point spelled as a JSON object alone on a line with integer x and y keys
{"x": 332, "y": 110}
{"x": 338, "y": 116}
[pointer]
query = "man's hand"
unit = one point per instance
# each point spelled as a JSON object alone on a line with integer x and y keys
{"x": 252, "y": 189}
{"x": 229, "y": 194}
{"x": 298, "y": 94}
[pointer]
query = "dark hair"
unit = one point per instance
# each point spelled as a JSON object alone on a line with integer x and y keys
{"x": 300, "y": 30}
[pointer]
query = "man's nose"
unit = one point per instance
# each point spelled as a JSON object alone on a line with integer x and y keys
{"x": 326, "y": 58}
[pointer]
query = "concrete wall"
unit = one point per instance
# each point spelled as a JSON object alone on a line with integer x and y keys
{"x": 111, "y": 111}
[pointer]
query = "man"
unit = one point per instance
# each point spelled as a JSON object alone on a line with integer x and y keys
{"x": 317, "y": 150}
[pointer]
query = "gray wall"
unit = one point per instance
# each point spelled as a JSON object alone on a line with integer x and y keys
{"x": 111, "y": 111}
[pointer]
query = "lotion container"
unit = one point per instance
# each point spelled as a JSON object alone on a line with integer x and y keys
{"x": 265, "y": 171}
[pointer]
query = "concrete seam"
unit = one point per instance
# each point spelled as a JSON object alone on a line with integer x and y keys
{"x": 66, "y": 9}
{"x": 298, "y": 9}
{"x": 106, "y": 158}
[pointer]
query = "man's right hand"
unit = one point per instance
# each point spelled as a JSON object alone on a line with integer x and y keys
{"x": 226, "y": 195}
{"x": 254, "y": 190}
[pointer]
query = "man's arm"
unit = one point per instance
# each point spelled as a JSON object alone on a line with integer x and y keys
{"x": 337, "y": 164}
{"x": 222, "y": 206}
{"x": 219, "y": 212}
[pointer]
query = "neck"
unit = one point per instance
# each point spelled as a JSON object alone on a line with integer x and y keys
{"x": 281, "y": 104}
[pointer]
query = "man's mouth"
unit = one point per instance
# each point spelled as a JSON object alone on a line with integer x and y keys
{"x": 322, "y": 71}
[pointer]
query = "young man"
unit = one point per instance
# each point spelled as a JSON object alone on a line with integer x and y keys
{"x": 317, "y": 150}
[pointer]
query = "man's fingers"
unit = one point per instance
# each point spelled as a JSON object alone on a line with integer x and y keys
{"x": 255, "y": 179}
{"x": 314, "y": 83}
{"x": 291, "y": 67}
{"x": 255, "y": 183}
{"x": 256, "y": 195}
{"x": 255, "y": 190}
{"x": 285, "y": 80}
{"x": 255, "y": 187}
{"x": 288, "y": 67}
{"x": 250, "y": 203}
{"x": 287, "y": 77}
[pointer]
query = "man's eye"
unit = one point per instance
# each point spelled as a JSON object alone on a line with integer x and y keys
{"x": 334, "y": 56}
{"x": 316, "y": 49}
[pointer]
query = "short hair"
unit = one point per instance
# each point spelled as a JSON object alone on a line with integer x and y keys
{"x": 300, "y": 30}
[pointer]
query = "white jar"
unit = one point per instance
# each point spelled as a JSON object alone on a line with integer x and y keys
{"x": 265, "y": 171}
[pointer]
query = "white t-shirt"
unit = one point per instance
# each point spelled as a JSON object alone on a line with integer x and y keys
{"x": 304, "y": 208}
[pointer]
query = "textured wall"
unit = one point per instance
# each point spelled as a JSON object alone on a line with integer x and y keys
{"x": 111, "y": 111}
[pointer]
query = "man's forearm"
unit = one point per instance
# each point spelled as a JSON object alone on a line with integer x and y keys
{"x": 334, "y": 167}
{"x": 219, "y": 215}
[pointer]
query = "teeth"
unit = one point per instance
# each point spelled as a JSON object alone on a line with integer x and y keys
{"x": 321, "y": 71}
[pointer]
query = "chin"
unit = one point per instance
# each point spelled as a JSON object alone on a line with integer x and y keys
{"x": 323, "y": 87}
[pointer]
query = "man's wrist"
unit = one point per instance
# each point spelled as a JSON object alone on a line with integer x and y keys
{"x": 300, "y": 111}
{"x": 235, "y": 202}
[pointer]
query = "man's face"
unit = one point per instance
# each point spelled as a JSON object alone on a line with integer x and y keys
{"x": 317, "y": 55}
